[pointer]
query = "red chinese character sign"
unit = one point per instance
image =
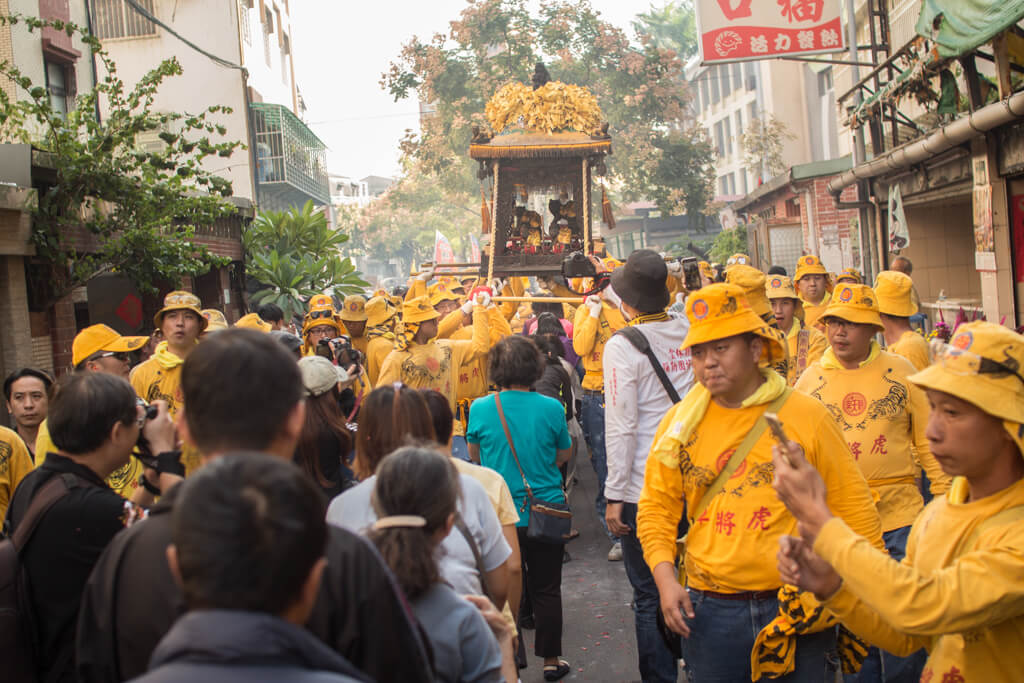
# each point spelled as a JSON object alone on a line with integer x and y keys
{"x": 732, "y": 30}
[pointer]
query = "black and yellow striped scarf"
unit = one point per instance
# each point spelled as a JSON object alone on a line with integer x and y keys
{"x": 660, "y": 316}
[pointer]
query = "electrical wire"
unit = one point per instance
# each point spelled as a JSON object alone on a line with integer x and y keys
{"x": 217, "y": 60}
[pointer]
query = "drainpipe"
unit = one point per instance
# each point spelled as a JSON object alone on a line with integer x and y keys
{"x": 962, "y": 130}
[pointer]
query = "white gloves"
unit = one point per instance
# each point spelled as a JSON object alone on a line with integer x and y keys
{"x": 427, "y": 275}
{"x": 498, "y": 285}
{"x": 467, "y": 308}
{"x": 675, "y": 268}
{"x": 483, "y": 299}
{"x": 594, "y": 304}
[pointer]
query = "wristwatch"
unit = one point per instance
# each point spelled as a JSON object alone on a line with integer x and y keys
{"x": 145, "y": 483}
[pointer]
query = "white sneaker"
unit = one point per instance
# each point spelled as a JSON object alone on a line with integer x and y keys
{"x": 615, "y": 554}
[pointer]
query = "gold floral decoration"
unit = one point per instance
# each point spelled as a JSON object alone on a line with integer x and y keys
{"x": 552, "y": 108}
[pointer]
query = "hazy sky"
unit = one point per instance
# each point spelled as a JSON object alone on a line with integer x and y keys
{"x": 341, "y": 48}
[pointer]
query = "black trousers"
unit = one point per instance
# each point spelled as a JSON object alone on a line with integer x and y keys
{"x": 542, "y": 579}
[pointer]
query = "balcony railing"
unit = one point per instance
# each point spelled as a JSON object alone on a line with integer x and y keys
{"x": 290, "y": 159}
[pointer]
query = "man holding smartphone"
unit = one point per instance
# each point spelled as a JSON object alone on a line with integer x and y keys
{"x": 712, "y": 456}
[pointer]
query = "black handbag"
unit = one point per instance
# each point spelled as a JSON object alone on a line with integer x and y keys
{"x": 549, "y": 522}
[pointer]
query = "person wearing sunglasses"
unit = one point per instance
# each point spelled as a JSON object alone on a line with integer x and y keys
{"x": 959, "y": 592}
{"x": 100, "y": 349}
{"x": 321, "y": 323}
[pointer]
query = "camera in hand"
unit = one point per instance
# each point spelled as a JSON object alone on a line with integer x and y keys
{"x": 340, "y": 351}
{"x": 576, "y": 264}
{"x": 142, "y": 450}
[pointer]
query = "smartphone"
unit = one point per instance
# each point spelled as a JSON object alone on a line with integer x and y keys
{"x": 691, "y": 273}
{"x": 775, "y": 425}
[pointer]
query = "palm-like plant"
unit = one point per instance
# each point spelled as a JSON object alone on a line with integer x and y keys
{"x": 295, "y": 255}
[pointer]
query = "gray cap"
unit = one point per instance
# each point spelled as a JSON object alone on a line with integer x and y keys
{"x": 320, "y": 374}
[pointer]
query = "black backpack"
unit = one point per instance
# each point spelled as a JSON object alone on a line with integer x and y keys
{"x": 17, "y": 622}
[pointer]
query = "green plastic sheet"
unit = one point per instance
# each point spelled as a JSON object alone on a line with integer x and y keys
{"x": 966, "y": 24}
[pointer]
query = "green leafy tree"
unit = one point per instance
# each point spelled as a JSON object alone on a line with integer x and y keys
{"x": 640, "y": 88}
{"x": 295, "y": 255}
{"x": 763, "y": 142}
{"x": 727, "y": 243}
{"x": 672, "y": 26}
{"x": 114, "y": 206}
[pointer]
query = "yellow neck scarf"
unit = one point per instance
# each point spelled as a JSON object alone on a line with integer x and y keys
{"x": 688, "y": 413}
{"x": 380, "y": 331}
{"x": 166, "y": 359}
{"x": 830, "y": 362}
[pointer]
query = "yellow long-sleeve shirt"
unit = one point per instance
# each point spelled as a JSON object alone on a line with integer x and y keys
{"x": 729, "y": 548}
{"x": 15, "y": 463}
{"x": 436, "y": 364}
{"x": 153, "y": 382}
{"x": 377, "y": 349}
{"x": 914, "y": 348}
{"x": 968, "y": 610}
{"x": 472, "y": 382}
{"x": 589, "y": 335}
{"x": 124, "y": 480}
{"x": 816, "y": 345}
{"x": 883, "y": 417}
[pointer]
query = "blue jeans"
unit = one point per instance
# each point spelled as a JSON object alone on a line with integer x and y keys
{"x": 459, "y": 448}
{"x": 592, "y": 421}
{"x": 722, "y": 635}
{"x": 881, "y": 666}
{"x": 656, "y": 662}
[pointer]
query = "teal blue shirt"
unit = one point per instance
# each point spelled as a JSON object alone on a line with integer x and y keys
{"x": 537, "y": 424}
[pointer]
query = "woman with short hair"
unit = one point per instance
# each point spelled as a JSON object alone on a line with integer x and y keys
{"x": 537, "y": 429}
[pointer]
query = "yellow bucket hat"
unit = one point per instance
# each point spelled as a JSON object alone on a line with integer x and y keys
{"x": 721, "y": 310}
{"x": 441, "y": 291}
{"x": 751, "y": 280}
{"x": 810, "y": 265}
{"x": 981, "y": 365}
{"x": 706, "y": 270}
{"x": 97, "y": 338}
{"x": 855, "y": 303}
{"x": 851, "y": 275}
{"x": 253, "y": 321}
{"x": 320, "y": 312}
{"x": 418, "y": 310}
{"x": 215, "y": 320}
{"x": 378, "y": 311}
{"x": 738, "y": 260}
{"x": 181, "y": 301}
{"x": 353, "y": 309}
{"x": 780, "y": 287}
{"x": 895, "y": 294}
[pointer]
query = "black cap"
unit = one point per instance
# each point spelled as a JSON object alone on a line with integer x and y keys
{"x": 641, "y": 281}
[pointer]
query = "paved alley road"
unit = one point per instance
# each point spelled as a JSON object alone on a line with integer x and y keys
{"x": 598, "y": 639}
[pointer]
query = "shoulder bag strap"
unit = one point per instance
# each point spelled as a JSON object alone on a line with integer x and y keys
{"x": 637, "y": 339}
{"x": 738, "y": 456}
{"x": 512, "y": 446}
{"x": 52, "y": 491}
{"x": 460, "y": 524}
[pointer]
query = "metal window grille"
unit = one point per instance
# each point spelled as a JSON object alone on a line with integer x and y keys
{"x": 118, "y": 19}
{"x": 243, "y": 20}
{"x": 287, "y": 151}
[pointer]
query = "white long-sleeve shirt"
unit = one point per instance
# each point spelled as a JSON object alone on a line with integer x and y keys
{"x": 636, "y": 400}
